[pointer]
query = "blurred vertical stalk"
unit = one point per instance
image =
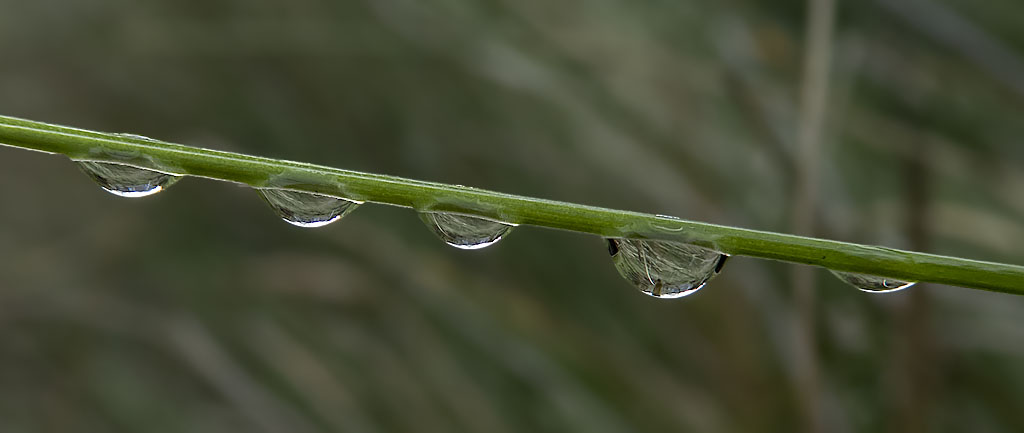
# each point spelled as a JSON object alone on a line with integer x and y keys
{"x": 813, "y": 101}
{"x": 913, "y": 345}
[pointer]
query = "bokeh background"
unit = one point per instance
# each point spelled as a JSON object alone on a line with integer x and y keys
{"x": 197, "y": 310}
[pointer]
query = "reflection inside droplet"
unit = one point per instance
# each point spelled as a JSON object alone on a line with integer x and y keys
{"x": 872, "y": 283}
{"x": 306, "y": 209}
{"x": 463, "y": 231}
{"x": 125, "y": 180}
{"x": 665, "y": 269}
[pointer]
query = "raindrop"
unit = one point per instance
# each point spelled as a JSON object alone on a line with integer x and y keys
{"x": 306, "y": 209}
{"x": 664, "y": 269}
{"x": 125, "y": 180}
{"x": 465, "y": 232}
{"x": 872, "y": 283}
{"x": 135, "y": 136}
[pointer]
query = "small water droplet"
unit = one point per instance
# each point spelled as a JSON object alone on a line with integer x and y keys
{"x": 465, "y": 232}
{"x": 125, "y": 180}
{"x": 872, "y": 283}
{"x": 135, "y": 136}
{"x": 305, "y": 209}
{"x": 665, "y": 269}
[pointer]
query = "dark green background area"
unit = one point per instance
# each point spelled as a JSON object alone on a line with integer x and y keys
{"x": 197, "y": 310}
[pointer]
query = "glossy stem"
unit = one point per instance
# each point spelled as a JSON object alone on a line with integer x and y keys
{"x": 429, "y": 196}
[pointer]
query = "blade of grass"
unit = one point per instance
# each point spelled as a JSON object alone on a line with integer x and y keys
{"x": 265, "y": 172}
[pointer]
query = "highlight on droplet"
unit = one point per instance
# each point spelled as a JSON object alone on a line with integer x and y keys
{"x": 126, "y": 180}
{"x": 665, "y": 269}
{"x": 465, "y": 232}
{"x": 305, "y": 209}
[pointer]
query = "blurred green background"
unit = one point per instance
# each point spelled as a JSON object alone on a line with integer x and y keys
{"x": 197, "y": 310}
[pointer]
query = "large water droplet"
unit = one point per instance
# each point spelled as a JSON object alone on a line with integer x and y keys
{"x": 872, "y": 283}
{"x": 306, "y": 209}
{"x": 465, "y": 232}
{"x": 125, "y": 180}
{"x": 665, "y": 269}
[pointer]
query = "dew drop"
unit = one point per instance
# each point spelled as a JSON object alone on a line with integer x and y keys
{"x": 125, "y": 180}
{"x": 872, "y": 283}
{"x": 465, "y": 232}
{"x": 664, "y": 269}
{"x": 134, "y": 136}
{"x": 306, "y": 209}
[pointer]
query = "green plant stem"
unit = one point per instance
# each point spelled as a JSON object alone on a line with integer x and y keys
{"x": 265, "y": 172}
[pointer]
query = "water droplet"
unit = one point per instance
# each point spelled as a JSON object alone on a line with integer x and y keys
{"x": 125, "y": 180}
{"x": 135, "y": 136}
{"x": 465, "y": 232}
{"x": 306, "y": 209}
{"x": 665, "y": 269}
{"x": 872, "y": 283}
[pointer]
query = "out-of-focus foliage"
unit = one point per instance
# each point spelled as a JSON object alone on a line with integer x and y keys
{"x": 197, "y": 310}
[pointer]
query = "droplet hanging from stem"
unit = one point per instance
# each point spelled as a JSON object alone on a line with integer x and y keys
{"x": 872, "y": 283}
{"x": 306, "y": 209}
{"x": 665, "y": 269}
{"x": 126, "y": 180}
{"x": 465, "y": 232}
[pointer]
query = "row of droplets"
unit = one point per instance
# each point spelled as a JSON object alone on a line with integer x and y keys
{"x": 662, "y": 269}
